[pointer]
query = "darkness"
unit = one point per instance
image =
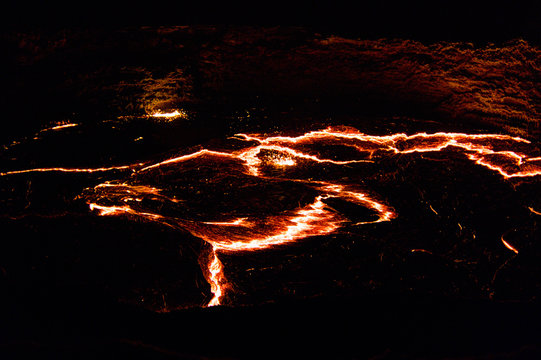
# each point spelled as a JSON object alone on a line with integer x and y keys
{"x": 475, "y": 21}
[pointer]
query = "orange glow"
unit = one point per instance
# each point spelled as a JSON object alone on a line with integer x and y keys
{"x": 118, "y": 210}
{"x": 169, "y": 115}
{"x": 70, "y": 170}
{"x": 422, "y": 251}
{"x": 235, "y": 222}
{"x": 127, "y": 192}
{"x": 502, "y": 154}
{"x": 479, "y": 148}
{"x": 186, "y": 157}
{"x": 534, "y": 211}
{"x": 507, "y": 245}
{"x": 253, "y": 162}
{"x": 312, "y": 220}
{"x": 59, "y": 127}
{"x": 283, "y": 161}
{"x": 216, "y": 279}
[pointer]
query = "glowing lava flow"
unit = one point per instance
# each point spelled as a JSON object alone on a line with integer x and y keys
{"x": 507, "y": 245}
{"x": 480, "y": 148}
{"x": 69, "y": 170}
{"x": 312, "y": 220}
{"x": 503, "y": 154}
{"x": 216, "y": 279}
{"x": 117, "y": 210}
{"x": 315, "y": 219}
{"x": 169, "y": 115}
{"x": 59, "y": 127}
{"x": 186, "y": 157}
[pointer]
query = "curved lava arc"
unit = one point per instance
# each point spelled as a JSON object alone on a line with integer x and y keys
{"x": 245, "y": 233}
{"x": 503, "y": 154}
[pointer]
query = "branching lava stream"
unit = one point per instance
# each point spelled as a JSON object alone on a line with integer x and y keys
{"x": 254, "y": 167}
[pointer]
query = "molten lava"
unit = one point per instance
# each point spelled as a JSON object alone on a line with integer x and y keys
{"x": 273, "y": 161}
{"x": 60, "y": 127}
{"x": 507, "y": 245}
{"x": 69, "y": 170}
{"x": 216, "y": 278}
{"x": 169, "y": 115}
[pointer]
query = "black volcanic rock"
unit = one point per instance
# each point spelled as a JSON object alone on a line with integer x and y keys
{"x": 103, "y": 73}
{"x": 454, "y": 81}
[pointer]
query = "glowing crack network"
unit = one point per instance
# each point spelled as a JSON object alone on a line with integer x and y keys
{"x": 274, "y": 161}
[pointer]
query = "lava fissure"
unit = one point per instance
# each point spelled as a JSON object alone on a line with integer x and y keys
{"x": 71, "y": 170}
{"x": 509, "y": 246}
{"x": 216, "y": 278}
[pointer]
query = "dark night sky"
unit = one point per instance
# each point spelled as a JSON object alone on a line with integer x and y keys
{"x": 423, "y": 20}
